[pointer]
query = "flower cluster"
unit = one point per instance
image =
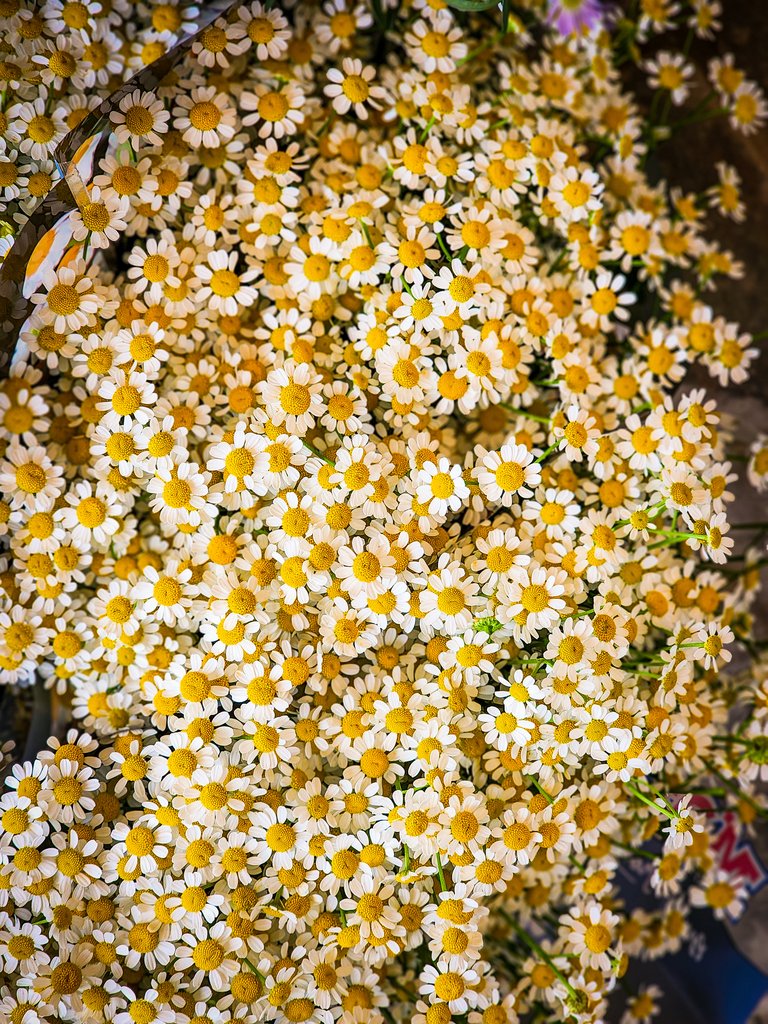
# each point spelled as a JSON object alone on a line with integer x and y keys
{"x": 350, "y": 500}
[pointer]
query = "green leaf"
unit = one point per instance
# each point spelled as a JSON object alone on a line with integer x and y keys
{"x": 488, "y": 625}
{"x": 472, "y": 5}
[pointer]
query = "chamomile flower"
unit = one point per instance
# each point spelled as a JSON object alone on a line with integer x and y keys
{"x": 88, "y": 518}
{"x": 293, "y": 393}
{"x": 69, "y": 301}
{"x": 29, "y": 478}
{"x": 575, "y": 193}
{"x": 204, "y": 117}
{"x": 670, "y": 72}
{"x": 101, "y": 218}
{"x": 441, "y": 488}
{"x": 225, "y": 289}
{"x": 140, "y": 118}
{"x": 507, "y": 473}
{"x": 531, "y": 598}
{"x": 591, "y": 934}
{"x": 266, "y": 30}
{"x": 722, "y": 893}
{"x": 350, "y": 88}
{"x": 277, "y": 111}
{"x": 348, "y": 509}
{"x": 435, "y": 45}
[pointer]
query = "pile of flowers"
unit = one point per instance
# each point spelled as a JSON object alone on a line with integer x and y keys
{"x": 350, "y": 499}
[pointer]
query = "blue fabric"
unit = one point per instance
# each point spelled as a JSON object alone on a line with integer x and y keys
{"x": 718, "y": 986}
{"x": 723, "y": 985}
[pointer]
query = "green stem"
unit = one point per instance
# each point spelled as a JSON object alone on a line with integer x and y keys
{"x": 317, "y": 452}
{"x": 440, "y": 875}
{"x": 534, "y": 946}
{"x": 706, "y": 115}
{"x": 639, "y": 853}
{"x": 441, "y": 243}
{"x": 539, "y": 787}
{"x": 255, "y": 970}
{"x": 524, "y": 412}
{"x": 548, "y": 451}
{"x": 429, "y": 124}
{"x": 648, "y": 802}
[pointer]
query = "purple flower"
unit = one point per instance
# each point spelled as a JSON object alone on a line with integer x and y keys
{"x": 574, "y": 16}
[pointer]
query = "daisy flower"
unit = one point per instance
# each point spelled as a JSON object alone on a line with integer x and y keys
{"x": 350, "y": 88}
{"x": 277, "y": 112}
{"x": 69, "y": 301}
{"x": 506, "y": 473}
{"x": 29, "y": 478}
{"x": 101, "y": 218}
{"x": 531, "y": 598}
{"x": 266, "y": 30}
{"x": 293, "y": 394}
{"x": 140, "y": 118}
{"x": 224, "y": 288}
{"x": 204, "y": 117}
{"x": 436, "y": 44}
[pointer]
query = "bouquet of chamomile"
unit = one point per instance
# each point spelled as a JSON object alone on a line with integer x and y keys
{"x": 355, "y": 502}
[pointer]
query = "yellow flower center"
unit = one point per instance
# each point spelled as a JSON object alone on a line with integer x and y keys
{"x": 176, "y": 493}
{"x": 510, "y": 476}
{"x": 604, "y": 301}
{"x": 41, "y": 129}
{"x": 224, "y": 283}
{"x": 450, "y": 601}
{"x": 63, "y": 299}
{"x": 208, "y": 955}
{"x": 205, "y": 116}
{"x": 139, "y": 841}
{"x": 91, "y": 512}
{"x": 67, "y": 645}
{"x": 449, "y": 986}
{"x": 120, "y": 447}
{"x": 273, "y": 106}
{"x": 517, "y": 836}
{"x": 435, "y": 44}
{"x": 534, "y": 598}
{"x": 30, "y": 477}
{"x": 160, "y": 444}
{"x": 138, "y": 120}
{"x": 576, "y": 193}
{"x": 261, "y": 31}
{"x": 95, "y": 216}
{"x": 66, "y": 978}
{"x": 280, "y": 837}
{"x": 355, "y": 88}
{"x": 67, "y": 791}
{"x": 374, "y": 763}
{"x": 295, "y": 398}
{"x": 597, "y": 938}
{"x": 370, "y": 907}
{"x": 15, "y": 821}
